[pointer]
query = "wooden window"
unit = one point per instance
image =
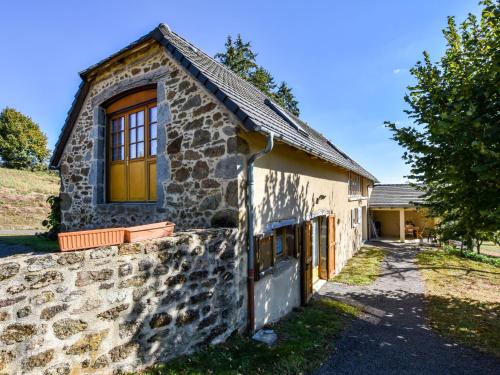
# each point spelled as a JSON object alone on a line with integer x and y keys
{"x": 354, "y": 184}
{"x": 283, "y": 242}
{"x": 153, "y": 128}
{"x": 355, "y": 216}
{"x": 118, "y": 139}
{"x": 263, "y": 254}
{"x": 132, "y": 135}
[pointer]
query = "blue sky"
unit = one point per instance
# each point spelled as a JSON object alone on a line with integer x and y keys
{"x": 347, "y": 61}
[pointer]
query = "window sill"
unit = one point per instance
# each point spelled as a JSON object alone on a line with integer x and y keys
{"x": 280, "y": 266}
{"x": 125, "y": 204}
{"x": 353, "y": 198}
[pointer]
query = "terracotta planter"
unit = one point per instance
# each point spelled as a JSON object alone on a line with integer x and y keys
{"x": 149, "y": 231}
{"x": 87, "y": 239}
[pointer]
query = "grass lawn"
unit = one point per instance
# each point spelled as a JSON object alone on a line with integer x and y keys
{"x": 463, "y": 298}
{"x": 305, "y": 339}
{"x": 363, "y": 268}
{"x": 34, "y": 242}
{"x": 23, "y": 196}
{"x": 489, "y": 248}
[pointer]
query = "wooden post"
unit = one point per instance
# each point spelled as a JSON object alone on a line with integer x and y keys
{"x": 402, "y": 224}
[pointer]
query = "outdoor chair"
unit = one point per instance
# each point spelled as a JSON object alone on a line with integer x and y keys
{"x": 410, "y": 230}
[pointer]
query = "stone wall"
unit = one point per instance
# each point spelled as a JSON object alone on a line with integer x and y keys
{"x": 119, "y": 308}
{"x": 199, "y": 151}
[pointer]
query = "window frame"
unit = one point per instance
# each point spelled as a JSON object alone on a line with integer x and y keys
{"x": 355, "y": 185}
{"x": 276, "y": 258}
{"x": 128, "y": 109}
{"x": 356, "y": 218}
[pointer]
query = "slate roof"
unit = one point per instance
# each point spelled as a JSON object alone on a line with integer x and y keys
{"x": 394, "y": 195}
{"x": 248, "y": 103}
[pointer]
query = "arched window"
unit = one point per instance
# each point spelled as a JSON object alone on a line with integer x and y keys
{"x": 131, "y": 145}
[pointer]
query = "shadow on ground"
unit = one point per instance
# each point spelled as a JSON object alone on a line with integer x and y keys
{"x": 13, "y": 244}
{"x": 392, "y": 336}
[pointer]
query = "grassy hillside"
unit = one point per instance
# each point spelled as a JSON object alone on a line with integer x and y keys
{"x": 23, "y": 197}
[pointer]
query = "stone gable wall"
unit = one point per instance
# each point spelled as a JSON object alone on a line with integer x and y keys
{"x": 120, "y": 308}
{"x": 199, "y": 152}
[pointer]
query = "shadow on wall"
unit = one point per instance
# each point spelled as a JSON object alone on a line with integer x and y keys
{"x": 277, "y": 294}
{"x": 198, "y": 305}
{"x": 284, "y": 198}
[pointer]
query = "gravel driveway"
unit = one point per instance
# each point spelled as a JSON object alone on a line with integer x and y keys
{"x": 392, "y": 336}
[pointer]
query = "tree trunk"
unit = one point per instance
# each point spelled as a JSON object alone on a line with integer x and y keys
{"x": 478, "y": 246}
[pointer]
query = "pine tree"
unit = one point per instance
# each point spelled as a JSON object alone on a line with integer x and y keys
{"x": 240, "y": 58}
{"x": 285, "y": 98}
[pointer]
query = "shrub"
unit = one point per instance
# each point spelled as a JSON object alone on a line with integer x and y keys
{"x": 53, "y": 221}
{"x": 472, "y": 256}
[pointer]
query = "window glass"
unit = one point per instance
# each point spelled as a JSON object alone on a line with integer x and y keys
{"x": 315, "y": 240}
{"x": 354, "y": 184}
{"x": 279, "y": 242}
{"x": 153, "y": 115}
{"x": 140, "y": 118}
{"x": 140, "y": 149}
{"x": 153, "y": 147}
{"x": 132, "y": 120}
{"x": 117, "y": 139}
{"x": 323, "y": 242}
{"x": 132, "y": 152}
{"x": 152, "y": 131}
{"x": 290, "y": 240}
{"x": 140, "y": 134}
{"x": 133, "y": 137}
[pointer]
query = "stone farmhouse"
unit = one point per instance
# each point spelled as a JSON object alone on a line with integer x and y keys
{"x": 161, "y": 131}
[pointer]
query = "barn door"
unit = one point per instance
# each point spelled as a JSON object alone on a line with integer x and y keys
{"x": 331, "y": 246}
{"x": 306, "y": 263}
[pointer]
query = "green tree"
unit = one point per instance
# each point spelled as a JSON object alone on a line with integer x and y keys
{"x": 240, "y": 58}
{"x": 286, "y": 99}
{"x": 263, "y": 80}
{"x": 453, "y": 146}
{"x": 22, "y": 143}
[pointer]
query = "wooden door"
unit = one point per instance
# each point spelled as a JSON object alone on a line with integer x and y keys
{"x": 306, "y": 263}
{"x": 132, "y": 152}
{"x": 331, "y": 246}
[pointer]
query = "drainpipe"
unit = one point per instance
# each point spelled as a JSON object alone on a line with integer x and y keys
{"x": 250, "y": 232}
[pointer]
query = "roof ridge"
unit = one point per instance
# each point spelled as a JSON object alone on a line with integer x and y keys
{"x": 236, "y": 93}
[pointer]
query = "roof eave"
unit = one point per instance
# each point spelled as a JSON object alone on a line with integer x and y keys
{"x": 159, "y": 34}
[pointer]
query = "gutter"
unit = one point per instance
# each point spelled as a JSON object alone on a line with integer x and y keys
{"x": 250, "y": 231}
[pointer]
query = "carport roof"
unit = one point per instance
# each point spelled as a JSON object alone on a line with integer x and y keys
{"x": 395, "y": 196}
